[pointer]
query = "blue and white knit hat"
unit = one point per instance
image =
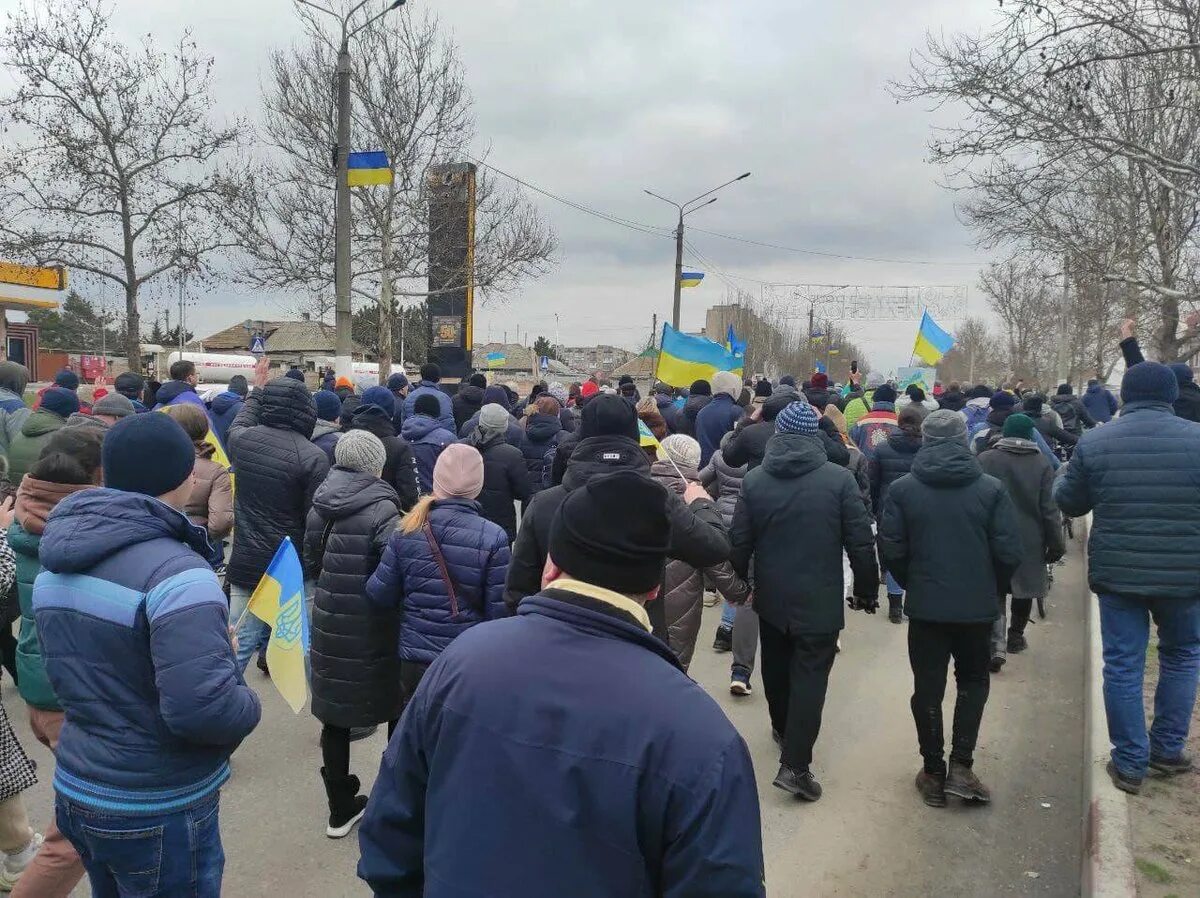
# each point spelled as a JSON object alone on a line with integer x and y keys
{"x": 798, "y": 417}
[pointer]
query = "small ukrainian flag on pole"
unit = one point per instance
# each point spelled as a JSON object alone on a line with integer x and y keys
{"x": 932, "y": 342}
{"x": 368, "y": 169}
{"x": 690, "y": 278}
{"x": 278, "y": 601}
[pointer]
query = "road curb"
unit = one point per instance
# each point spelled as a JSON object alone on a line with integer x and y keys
{"x": 1108, "y": 870}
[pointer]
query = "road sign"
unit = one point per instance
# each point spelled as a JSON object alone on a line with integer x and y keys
{"x": 545, "y": 363}
{"x": 29, "y": 276}
{"x": 258, "y": 345}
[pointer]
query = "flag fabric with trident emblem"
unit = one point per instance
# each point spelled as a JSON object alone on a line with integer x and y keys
{"x": 278, "y": 601}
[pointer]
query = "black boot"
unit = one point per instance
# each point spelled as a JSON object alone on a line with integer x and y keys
{"x": 800, "y": 783}
{"x": 1017, "y": 643}
{"x": 896, "y": 608}
{"x": 962, "y": 782}
{"x": 932, "y": 787}
{"x": 724, "y": 639}
{"x": 346, "y": 806}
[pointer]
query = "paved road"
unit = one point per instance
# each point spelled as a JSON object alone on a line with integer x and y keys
{"x": 869, "y": 835}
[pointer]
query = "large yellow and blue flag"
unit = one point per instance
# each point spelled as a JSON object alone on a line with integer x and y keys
{"x": 932, "y": 342}
{"x": 278, "y": 601}
{"x": 684, "y": 358}
{"x": 691, "y": 278}
{"x": 368, "y": 169}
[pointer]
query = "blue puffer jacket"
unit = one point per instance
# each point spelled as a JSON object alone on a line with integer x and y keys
{"x": 409, "y": 578}
{"x": 538, "y": 442}
{"x": 428, "y": 388}
{"x": 1100, "y": 403}
{"x": 1139, "y": 476}
{"x": 224, "y": 409}
{"x": 428, "y": 438}
{"x": 714, "y": 421}
{"x": 134, "y": 633}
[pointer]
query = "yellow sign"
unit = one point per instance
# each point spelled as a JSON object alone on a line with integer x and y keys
{"x": 28, "y": 276}
{"x": 20, "y": 303}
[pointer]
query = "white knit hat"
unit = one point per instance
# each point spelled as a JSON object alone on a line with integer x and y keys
{"x": 727, "y": 382}
{"x": 360, "y": 450}
{"x": 681, "y": 449}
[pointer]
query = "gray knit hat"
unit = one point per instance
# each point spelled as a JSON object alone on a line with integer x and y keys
{"x": 360, "y": 450}
{"x": 493, "y": 417}
{"x": 944, "y": 426}
{"x": 114, "y": 405}
{"x": 681, "y": 449}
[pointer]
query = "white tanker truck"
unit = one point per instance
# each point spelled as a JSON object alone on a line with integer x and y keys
{"x": 216, "y": 369}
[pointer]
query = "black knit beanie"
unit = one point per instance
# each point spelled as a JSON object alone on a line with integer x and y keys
{"x": 148, "y": 454}
{"x": 608, "y": 415}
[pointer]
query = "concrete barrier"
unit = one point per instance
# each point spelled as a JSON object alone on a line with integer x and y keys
{"x": 1108, "y": 870}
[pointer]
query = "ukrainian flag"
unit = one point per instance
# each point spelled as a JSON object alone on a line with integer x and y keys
{"x": 732, "y": 343}
{"x": 278, "y": 601}
{"x": 690, "y": 278}
{"x": 368, "y": 169}
{"x": 496, "y": 359}
{"x": 684, "y": 358}
{"x": 932, "y": 342}
{"x": 645, "y": 436}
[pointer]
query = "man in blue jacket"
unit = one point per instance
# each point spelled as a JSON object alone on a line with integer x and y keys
{"x": 1138, "y": 475}
{"x": 430, "y": 375}
{"x": 134, "y": 631}
{"x": 608, "y": 772}
{"x": 718, "y": 417}
{"x": 1100, "y": 403}
{"x": 226, "y": 407}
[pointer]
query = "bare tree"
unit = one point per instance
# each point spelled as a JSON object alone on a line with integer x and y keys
{"x": 410, "y": 100}
{"x": 975, "y": 357}
{"x": 116, "y": 167}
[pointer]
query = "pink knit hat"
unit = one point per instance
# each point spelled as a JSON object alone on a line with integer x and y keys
{"x": 458, "y": 473}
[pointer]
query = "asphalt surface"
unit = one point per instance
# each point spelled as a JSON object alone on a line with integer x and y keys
{"x": 869, "y": 836}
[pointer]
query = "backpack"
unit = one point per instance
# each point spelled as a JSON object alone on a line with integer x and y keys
{"x": 975, "y": 415}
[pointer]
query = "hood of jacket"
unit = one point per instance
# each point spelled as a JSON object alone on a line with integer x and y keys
{"x": 664, "y": 472}
{"x": 1095, "y": 390}
{"x": 94, "y": 524}
{"x": 37, "y": 498}
{"x": 225, "y": 402}
{"x": 946, "y": 464}
{"x": 997, "y": 416}
{"x": 794, "y": 455}
{"x": 172, "y": 390}
{"x": 978, "y": 402}
{"x": 542, "y": 428}
{"x": 601, "y": 455}
{"x": 472, "y": 396}
{"x": 286, "y": 404}
{"x": 373, "y": 419}
{"x": 484, "y": 440}
{"x": 415, "y": 427}
{"x": 324, "y": 428}
{"x": 904, "y": 443}
{"x": 345, "y": 493}
{"x": 42, "y": 422}
{"x": 662, "y": 400}
{"x": 1060, "y": 402}
{"x": 1017, "y": 446}
{"x": 694, "y": 404}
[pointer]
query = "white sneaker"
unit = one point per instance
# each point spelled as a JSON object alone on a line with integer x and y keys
{"x": 710, "y": 599}
{"x": 15, "y": 864}
{"x": 737, "y": 687}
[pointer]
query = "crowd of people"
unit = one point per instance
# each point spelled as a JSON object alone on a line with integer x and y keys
{"x": 531, "y": 671}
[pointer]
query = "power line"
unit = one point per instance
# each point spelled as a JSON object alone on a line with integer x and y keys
{"x": 816, "y": 252}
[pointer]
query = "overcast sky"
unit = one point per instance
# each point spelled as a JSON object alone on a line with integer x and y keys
{"x": 597, "y": 100}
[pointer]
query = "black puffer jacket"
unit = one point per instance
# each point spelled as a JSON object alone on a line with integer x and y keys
{"x": 1075, "y": 416}
{"x": 748, "y": 446}
{"x": 278, "y": 472}
{"x": 949, "y": 537}
{"x": 355, "y": 668}
{"x": 505, "y": 479}
{"x": 540, "y": 439}
{"x": 697, "y": 533}
{"x": 893, "y": 459}
{"x": 685, "y": 421}
{"x": 954, "y": 400}
{"x": 400, "y": 467}
{"x": 466, "y": 403}
{"x": 798, "y": 512}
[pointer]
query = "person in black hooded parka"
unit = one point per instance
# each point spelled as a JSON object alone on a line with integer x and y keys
{"x": 505, "y": 478}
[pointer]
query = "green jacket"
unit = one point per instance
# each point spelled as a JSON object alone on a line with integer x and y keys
{"x": 33, "y": 684}
{"x": 27, "y": 445}
{"x": 858, "y": 408}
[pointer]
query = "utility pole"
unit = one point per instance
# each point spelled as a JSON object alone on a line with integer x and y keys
{"x": 343, "y": 316}
{"x": 654, "y": 330}
{"x": 678, "y": 272}
{"x": 812, "y": 350}
{"x": 1063, "y": 338}
{"x": 556, "y": 339}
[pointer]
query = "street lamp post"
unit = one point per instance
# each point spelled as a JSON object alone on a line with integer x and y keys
{"x": 687, "y": 209}
{"x": 343, "y": 314}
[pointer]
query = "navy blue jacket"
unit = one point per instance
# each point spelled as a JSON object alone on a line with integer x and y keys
{"x": 134, "y": 632}
{"x": 605, "y": 772}
{"x": 714, "y": 421}
{"x": 427, "y": 438}
{"x": 224, "y": 409}
{"x": 1139, "y": 475}
{"x": 409, "y": 579}
{"x": 428, "y": 388}
{"x": 539, "y": 440}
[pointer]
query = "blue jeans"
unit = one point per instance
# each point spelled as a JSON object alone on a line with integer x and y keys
{"x": 1125, "y": 633}
{"x": 177, "y": 854}
{"x": 252, "y": 634}
{"x": 727, "y": 614}
{"x": 893, "y": 588}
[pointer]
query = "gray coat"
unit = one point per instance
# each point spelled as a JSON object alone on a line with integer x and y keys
{"x": 1029, "y": 479}
{"x": 724, "y": 484}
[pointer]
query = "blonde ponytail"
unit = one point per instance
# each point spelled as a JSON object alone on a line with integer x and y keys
{"x": 417, "y": 517}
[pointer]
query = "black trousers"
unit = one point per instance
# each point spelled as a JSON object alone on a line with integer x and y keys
{"x": 930, "y": 647}
{"x": 795, "y": 673}
{"x": 335, "y": 741}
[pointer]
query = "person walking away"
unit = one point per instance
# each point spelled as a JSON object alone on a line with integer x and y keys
{"x": 505, "y": 479}
{"x": 375, "y": 414}
{"x": 497, "y": 395}
{"x": 718, "y": 417}
{"x": 983, "y": 435}
{"x": 181, "y": 387}
{"x": 1099, "y": 401}
{"x": 13, "y": 410}
{"x": 51, "y": 416}
{"x": 683, "y": 588}
{"x": 355, "y": 670}
{"x": 873, "y": 428}
{"x": 859, "y": 407}
{"x": 747, "y": 444}
{"x": 443, "y": 570}
{"x": 798, "y": 595}
{"x": 398, "y": 386}
{"x": 468, "y": 400}
{"x": 1138, "y": 477}
{"x": 1016, "y": 462}
{"x": 426, "y": 437}
{"x": 699, "y": 396}
{"x": 69, "y": 463}
{"x": 106, "y": 411}
{"x": 542, "y": 433}
{"x": 210, "y": 504}
{"x": 953, "y": 597}
{"x": 605, "y": 730}
{"x": 648, "y": 414}
{"x": 893, "y": 459}
{"x": 833, "y": 422}
{"x": 431, "y": 376}
{"x": 278, "y": 472}
{"x": 1052, "y": 432}
{"x": 145, "y": 748}
{"x": 225, "y": 408}
{"x": 66, "y": 379}
{"x": 132, "y": 386}
{"x": 953, "y": 398}
{"x": 328, "y": 428}
{"x": 664, "y": 401}
{"x": 1070, "y": 408}
{"x": 344, "y": 387}
{"x": 1187, "y": 404}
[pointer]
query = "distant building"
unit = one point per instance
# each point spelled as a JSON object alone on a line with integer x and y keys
{"x": 305, "y": 343}
{"x": 592, "y": 358}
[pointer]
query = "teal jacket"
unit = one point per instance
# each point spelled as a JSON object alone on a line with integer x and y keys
{"x": 33, "y": 684}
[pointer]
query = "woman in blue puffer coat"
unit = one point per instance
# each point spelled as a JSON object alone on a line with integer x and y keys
{"x": 444, "y": 568}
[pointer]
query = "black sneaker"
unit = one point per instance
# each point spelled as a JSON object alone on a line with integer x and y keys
{"x": 1171, "y": 766}
{"x": 962, "y": 782}
{"x": 1017, "y": 643}
{"x": 932, "y": 787}
{"x": 262, "y": 663}
{"x": 1121, "y": 781}
{"x": 896, "y": 609}
{"x": 996, "y": 663}
{"x": 357, "y": 734}
{"x": 800, "y": 783}
{"x": 342, "y": 820}
{"x": 724, "y": 639}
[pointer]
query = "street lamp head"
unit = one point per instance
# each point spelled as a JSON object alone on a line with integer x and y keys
{"x": 742, "y": 177}
{"x": 396, "y": 5}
